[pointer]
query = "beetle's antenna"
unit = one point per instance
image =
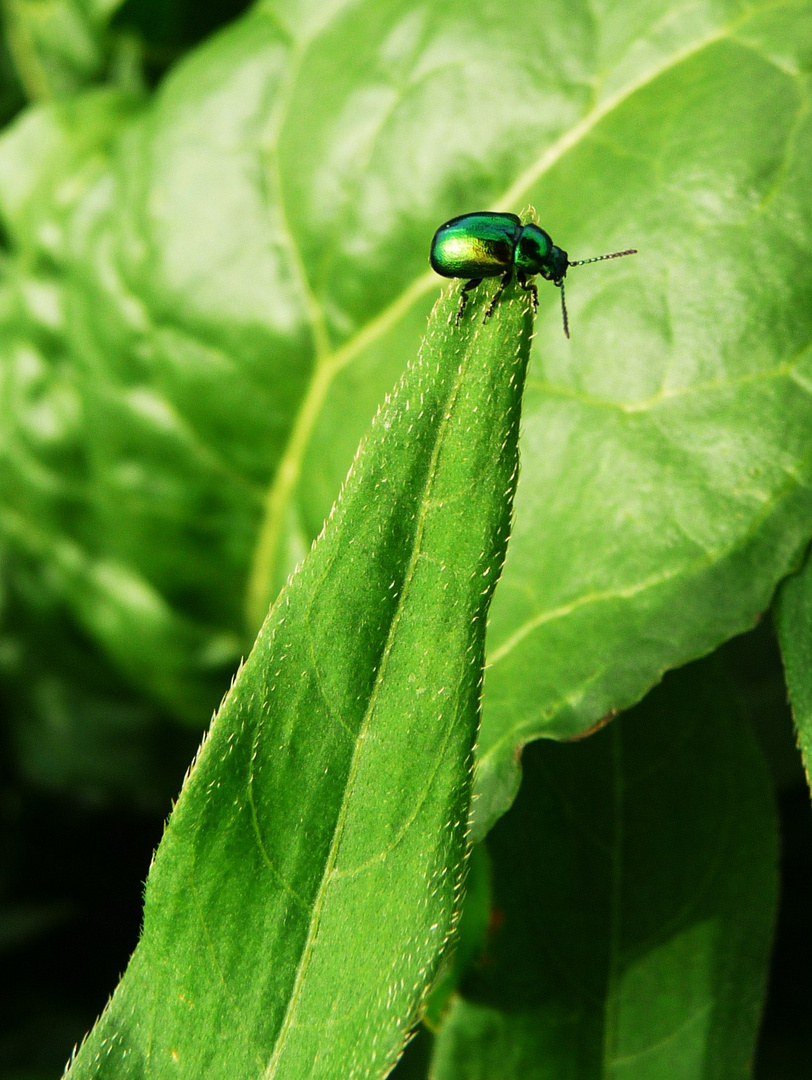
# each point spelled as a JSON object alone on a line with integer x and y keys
{"x": 560, "y": 284}
{"x": 600, "y": 258}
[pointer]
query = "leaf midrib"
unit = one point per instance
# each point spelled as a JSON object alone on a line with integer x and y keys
{"x": 338, "y": 833}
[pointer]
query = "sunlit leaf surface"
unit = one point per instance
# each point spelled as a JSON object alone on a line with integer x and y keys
{"x": 312, "y": 870}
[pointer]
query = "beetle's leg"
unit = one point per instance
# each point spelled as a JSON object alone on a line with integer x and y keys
{"x": 529, "y": 286}
{"x": 472, "y": 284}
{"x": 495, "y": 299}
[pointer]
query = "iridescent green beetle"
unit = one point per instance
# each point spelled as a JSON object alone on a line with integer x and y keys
{"x": 486, "y": 244}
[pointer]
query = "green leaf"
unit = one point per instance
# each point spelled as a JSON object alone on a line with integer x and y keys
{"x": 58, "y": 46}
{"x": 52, "y": 157}
{"x": 794, "y": 622}
{"x": 636, "y": 884}
{"x": 246, "y": 276}
{"x": 180, "y": 420}
{"x": 666, "y": 481}
{"x": 311, "y": 872}
{"x": 180, "y": 662}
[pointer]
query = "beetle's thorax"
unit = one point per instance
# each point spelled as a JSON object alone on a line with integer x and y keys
{"x": 533, "y": 249}
{"x": 537, "y": 254}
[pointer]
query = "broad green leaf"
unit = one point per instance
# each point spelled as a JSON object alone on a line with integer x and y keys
{"x": 58, "y": 45}
{"x": 636, "y": 884}
{"x": 50, "y": 159}
{"x": 794, "y": 621}
{"x": 666, "y": 479}
{"x": 311, "y": 872}
{"x": 46, "y": 482}
{"x": 246, "y": 277}
{"x": 74, "y": 725}
{"x": 179, "y": 423}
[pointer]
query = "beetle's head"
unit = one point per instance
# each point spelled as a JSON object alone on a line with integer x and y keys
{"x": 556, "y": 264}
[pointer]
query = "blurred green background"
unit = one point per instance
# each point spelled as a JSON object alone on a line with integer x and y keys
{"x": 76, "y": 838}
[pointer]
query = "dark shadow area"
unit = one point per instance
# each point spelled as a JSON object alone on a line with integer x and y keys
{"x": 785, "y": 1045}
{"x": 168, "y": 28}
{"x": 71, "y": 889}
{"x": 414, "y": 1065}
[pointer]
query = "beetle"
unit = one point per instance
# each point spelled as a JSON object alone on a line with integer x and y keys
{"x": 488, "y": 244}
